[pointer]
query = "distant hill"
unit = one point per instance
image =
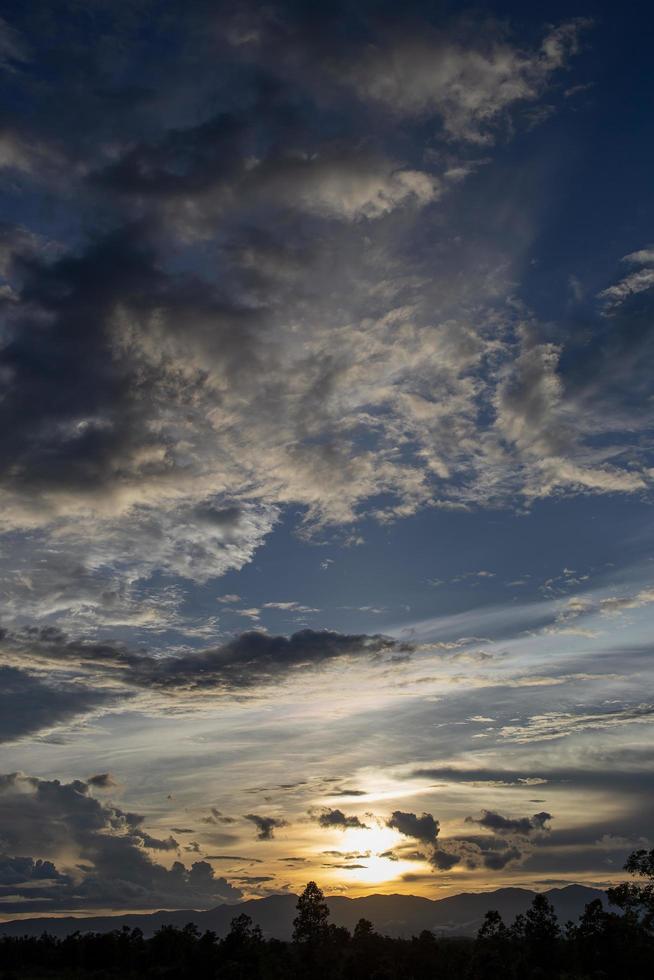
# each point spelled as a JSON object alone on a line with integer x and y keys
{"x": 392, "y": 915}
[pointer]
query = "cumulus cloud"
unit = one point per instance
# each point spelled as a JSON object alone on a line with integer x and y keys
{"x": 336, "y": 818}
{"x": 423, "y": 828}
{"x": 90, "y": 854}
{"x": 266, "y": 826}
{"x": 441, "y": 854}
{"x": 20, "y": 870}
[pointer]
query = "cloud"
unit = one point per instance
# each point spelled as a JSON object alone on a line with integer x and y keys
{"x": 216, "y": 817}
{"x": 250, "y": 659}
{"x": 21, "y": 870}
{"x": 14, "y": 48}
{"x": 336, "y": 818}
{"x": 547, "y": 425}
{"x": 30, "y": 705}
{"x": 442, "y": 860}
{"x": 442, "y": 855}
{"x": 266, "y": 826}
{"x": 468, "y": 85}
{"x": 497, "y": 860}
{"x": 521, "y": 827}
{"x": 102, "y": 780}
{"x": 290, "y": 607}
{"x": 633, "y": 283}
{"x": 217, "y": 175}
{"x": 190, "y": 418}
{"x": 551, "y": 725}
{"x": 91, "y": 854}
{"x": 494, "y": 777}
{"x": 16, "y": 242}
{"x": 423, "y": 828}
{"x": 50, "y": 696}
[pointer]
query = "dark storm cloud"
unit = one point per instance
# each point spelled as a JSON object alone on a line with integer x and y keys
{"x": 521, "y": 827}
{"x": 424, "y": 828}
{"x": 55, "y": 820}
{"x": 336, "y": 818}
{"x": 29, "y": 705}
{"x": 266, "y": 826}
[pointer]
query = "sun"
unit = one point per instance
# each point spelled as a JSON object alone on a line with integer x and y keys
{"x": 364, "y": 851}
{"x": 374, "y": 838}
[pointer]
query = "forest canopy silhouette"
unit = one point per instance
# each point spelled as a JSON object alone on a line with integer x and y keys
{"x": 612, "y": 943}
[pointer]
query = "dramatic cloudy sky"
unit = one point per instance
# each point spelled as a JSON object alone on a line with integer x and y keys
{"x": 326, "y": 529}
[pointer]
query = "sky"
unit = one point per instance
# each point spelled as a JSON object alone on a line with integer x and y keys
{"x": 326, "y": 530}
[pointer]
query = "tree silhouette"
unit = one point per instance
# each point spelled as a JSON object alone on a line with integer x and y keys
{"x": 493, "y": 950}
{"x": 492, "y": 927}
{"x": 541, "y": 924}
{"x": 310, "y": 924}
{"x": 363, "y": 930}
{"x": 604, "y": 944}
{"x": 242, "y": 930}
{"x": 634, "y": 898}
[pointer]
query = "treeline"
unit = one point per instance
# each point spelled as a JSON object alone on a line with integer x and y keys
{"x": 611, "y": 945}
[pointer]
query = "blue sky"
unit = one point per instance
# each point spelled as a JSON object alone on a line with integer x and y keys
{"x": 326, "y": 471}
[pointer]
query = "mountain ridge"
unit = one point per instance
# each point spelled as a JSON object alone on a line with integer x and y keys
{"x": 393, "y": 915}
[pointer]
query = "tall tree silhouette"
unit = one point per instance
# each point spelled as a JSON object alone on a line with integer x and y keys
{"x": 493, "y": 951}
{"x": 310, "y": 924}
{"x": 636, "y": 898}
{"x": 311, "y": 933}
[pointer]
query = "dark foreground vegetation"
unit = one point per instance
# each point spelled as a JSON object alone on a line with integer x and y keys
{"x": 602, "y": 945}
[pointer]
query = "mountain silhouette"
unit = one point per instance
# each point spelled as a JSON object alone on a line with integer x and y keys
{"x": 392, "y": 915}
